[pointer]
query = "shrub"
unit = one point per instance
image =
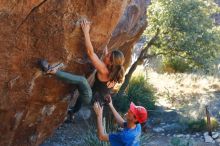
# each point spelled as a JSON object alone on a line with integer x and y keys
{"x": 145, "y": 138}
{"x": 90, "y": 137}
{"x": 175, "y": 141}
{"x": 139, "y": 92}
{"x": 201, "y": 124}
{"x": 214, "y": 123}
{"x": 175, "y": 64}
{"x": 121, "y": 103}
{"x": 197, "y": 125}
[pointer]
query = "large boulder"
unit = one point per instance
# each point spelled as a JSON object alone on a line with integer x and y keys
{"x": 32, "y": 104}
{"x": 130, "y": 28}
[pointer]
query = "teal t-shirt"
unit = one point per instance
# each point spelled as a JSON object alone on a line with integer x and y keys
{"x": 127, "y": 137}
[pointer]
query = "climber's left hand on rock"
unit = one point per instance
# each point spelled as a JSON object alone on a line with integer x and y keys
{"x": 85, "y": 26}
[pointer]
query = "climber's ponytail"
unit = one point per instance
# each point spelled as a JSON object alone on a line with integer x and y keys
{"x": 116, "y": 69}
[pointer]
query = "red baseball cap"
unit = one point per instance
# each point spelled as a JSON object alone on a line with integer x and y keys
{"x": 139, "y": 111}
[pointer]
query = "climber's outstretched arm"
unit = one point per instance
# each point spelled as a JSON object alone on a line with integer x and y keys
{"x": 98, "y": 64}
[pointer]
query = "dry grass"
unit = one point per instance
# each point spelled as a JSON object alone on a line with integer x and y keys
{"x": 189, "y": 92}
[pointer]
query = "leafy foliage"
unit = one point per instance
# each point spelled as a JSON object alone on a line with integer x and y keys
{"x": 176, "y": 141}
{"x": 139, "y": 92}
{"x": 201, "y": 124}
{"x": 187, "y": 30}
{"x": 175, "y": 64}
{"x": 121, "y": 103}
{"x": 197, "y": 125}
{"x": 90, "y": 138}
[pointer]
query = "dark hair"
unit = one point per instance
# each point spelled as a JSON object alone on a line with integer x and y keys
{"x": 116, "y": 69}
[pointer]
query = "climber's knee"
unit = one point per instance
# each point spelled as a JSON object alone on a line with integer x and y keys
{"x": 86, "y": 99}
{"x": 84, "y": 85}
{"x": 85, "y": 90}
{"x": 83, "y": 81}
{"x": 86, "y": 95}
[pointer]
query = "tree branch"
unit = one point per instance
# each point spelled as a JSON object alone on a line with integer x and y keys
{"x": 150, "y": 43}
{"x": 136, "y": 63}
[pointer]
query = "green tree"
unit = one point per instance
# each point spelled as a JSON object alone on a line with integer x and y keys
{"x": 180, "y": 28}
{"x": 187, "y": 30}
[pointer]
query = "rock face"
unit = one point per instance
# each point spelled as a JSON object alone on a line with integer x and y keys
{"x": 32, "y": 104}
{"x": 130, "y": 28}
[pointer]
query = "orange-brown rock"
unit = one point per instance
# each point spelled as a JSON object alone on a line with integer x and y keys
{"x": 32, "y": 104}
{"x": 130, "y": 28}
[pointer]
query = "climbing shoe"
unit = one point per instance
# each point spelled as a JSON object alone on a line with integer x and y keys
{"x": 44, "y": 65}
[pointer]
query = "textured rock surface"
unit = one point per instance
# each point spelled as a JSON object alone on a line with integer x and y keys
{"x": 130, "y": 28}
{"x": 31, "y": 104}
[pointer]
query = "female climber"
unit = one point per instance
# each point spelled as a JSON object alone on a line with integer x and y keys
{"x": 109, "y": 72}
